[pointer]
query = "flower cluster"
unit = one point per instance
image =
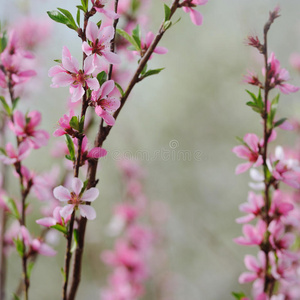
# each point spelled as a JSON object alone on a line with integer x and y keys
{"x": 270, "y": 222}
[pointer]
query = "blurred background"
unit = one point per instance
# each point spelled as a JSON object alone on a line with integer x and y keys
{"x": 195, "y": 106}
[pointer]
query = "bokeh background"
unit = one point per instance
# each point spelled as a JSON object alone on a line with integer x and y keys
{"x": 196, "y": 106}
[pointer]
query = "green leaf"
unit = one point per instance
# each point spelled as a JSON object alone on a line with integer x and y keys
{"x": 81, "y": 124}
{"x": 12, "y": 206}
{"x": 167, "y": 24}
{"x": 29, "y": 268}
{"x": 129, "y": 38}
{"x": 80, "y": 7}
{"x": 135, "y": 5}
{"x": 5, "y": 105}
{"x": 84, "y": 187}
{"x": 3, "y": 42}
{"x": 60, "y": 228}
{"x": 63, "y": 273}
{"x": 274, "y": 105}
{"x": 152, "y": 72}
{"x": 252, "y": 96}
{"x": 2, "y": 150}
{"x": 102, "y": 77}
{"x": 238, "y": 296}
{"x": 144, "y": 69}
{"x": 15, "y": 103}
{"x": 120, "y": 89}
{"x": 75, "y": 232}
{"x": 70, "y": 18}
{"x": 136, "y": 34}
{"x": 85, "y": 4}
{"x": 167, "y": 12}
{"x": 78, "y": 17}
{"x": 279, "y": 122}
{"x": 19, "y": 246}
{"x": 74, "y": 123}
{"x": 68, "y": 157}
{"x": 58, "y": 61}
{"x": 60, "y": 18}
{"x": 15, "y": 297}
{"x": 71, "y": 147}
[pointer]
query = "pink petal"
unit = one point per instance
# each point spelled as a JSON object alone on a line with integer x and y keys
{"x": 196, "y": 17}
{"x": 111, "y": 104}
{"x": 251, "y": 263}
{"x": 66, "y": 211}
{"x": 92, "y": 32}
{"x": 62, "y": 194}
{"x": 77, "y": 93}
{"x": 109, "y": 119}
{"x": 77, "y": 185}
{"x": 107, "y": 34}
{"x": 25, "y": 235}
{"x": 46, "y": 221}
{"x": 93, "y": 83}
{"x": 62, "y": 79}
{"x": 107, "y": 87}
{"x": 87, "y": 211}
{"x": 245, "y": 219}
{"x": 97, "y": 152}
{"x": 35, "y": 118}
{"x": 86, "y": 48}
{"x": 89, "y": 65}
{"x": 90, "y": 195}
{"x": 243, "y": 168}
{"x": 160, "y": 50}
{"x": 149, "y": 38}
{"x": 111, "y": 57}
{"x": 55, "y": 70}
{"x": 247, "y": 277}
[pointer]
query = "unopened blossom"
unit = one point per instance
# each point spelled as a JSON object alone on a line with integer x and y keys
{"x": 64, "y": 125}
{"x": 76, "y": 199}
{"x": 278, "y": 76}
{"x": 99, "y": 44}
{"x": 253, "y": 235}
{"x": 99, "y": 7}
{"x": 188, "y": 7}
{"x": 252, "y": 207}
{"x": 257, "y": 268}
{"x": 148, "y": 41}
{"x": 252, "y": 78}
{"x": 56, "y": 219}
{"x": 35, "y": 245}
{"x": 69, "y": 74}
{"x": 104, "y": 103}
{"x": 24, "y": 127}
{"x": 13, "y": 155}
{"x": 250, "y": 152}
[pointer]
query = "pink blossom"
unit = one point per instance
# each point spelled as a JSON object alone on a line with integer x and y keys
{"x": 250, "y": 152}
{"x": 99, "y": 6}
{"x": 279, "y": 207}
{"x": 252, "y": 78}
{"x": 252, "y": 207}
{"x": 64, "y": 125}
{"x": 282, "y": 268}
{"x": 69, "y": 74}
{"x": 35, "y": 245}
{"x": 24, "y": 126}
{"x": 257, "y": 267}
{"x": 105, "y": 104}
{"x": 279, "y": 76}
{"x": 253, "y": 235}
{"x": 56, "y": 219}
{"x": 76, "y": 199}
{"x": 100, "y": 44}
{"x": 13, "y": 156}
{"x": 295, "y": 61}
{"x": 188, "y": 7}
{"x": 146, "y": 44}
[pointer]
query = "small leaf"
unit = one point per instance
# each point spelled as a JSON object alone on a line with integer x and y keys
{"x": 136, "y": 34}
{"x": 135, "y": 4}
{"x": 29, "y": 268}
{"x": 2, "y": 150}
{"x": 58, "y": 61}
{"x": 120, "y": 89}
{"x": 129, "y": 38}
{"x": 144, "y": 69}
{"x": 81, "y": 124}
{"x": 279, "y": 122}
{"x": 238, "y": 296}
{"x": 5, "y": 105}
{"x": 15, "y": 103}
{"x": 74, "y": 123}
{"x": 85, "y": 5}
{"x": 78, "y": 17}
{"x": 60, "y": 18}
{"x": 63, "y": 273}
{"x": 152, "y": 72}
{"x": 75, "y": 232}
{"x": 19, "y": 246}
{"x": 80, "y": 7}
{"x": 167, "y": 12}
{"x": 16, "y": 297}
{"x": 101, "y": 77}
{"x": 70, "y": 146}
{"x": 60, "y": 228}
{"x": 167, "y": 24}
{"x": 84, "y": 187}
{"x": 70, "y": 18}
{"x": 252, "y": 96}
{"x": 12, "y": 206}
{"x": 68, "y": 157}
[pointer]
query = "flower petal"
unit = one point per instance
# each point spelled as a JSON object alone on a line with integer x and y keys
{"x": 87, "y": 211}
{"x": 62, "y": 194}
{"x": 77, "y": 185}
{"x": 90, "y": 195}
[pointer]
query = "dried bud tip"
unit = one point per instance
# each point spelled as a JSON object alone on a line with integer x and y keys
{"x": 253, "y": 41}
{"x": 275, "y": 13}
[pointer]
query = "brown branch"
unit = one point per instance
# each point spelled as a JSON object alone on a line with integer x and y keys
{"x": 100, "y": 138}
